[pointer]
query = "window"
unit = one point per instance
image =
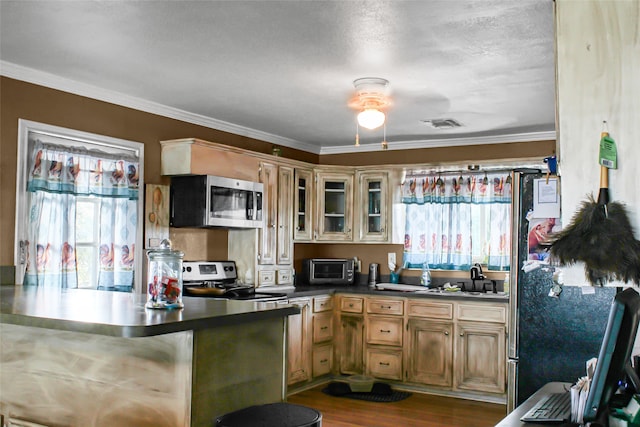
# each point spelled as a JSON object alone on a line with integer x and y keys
{"x": 78, "y": 209}
{"x": 454, "y": 221}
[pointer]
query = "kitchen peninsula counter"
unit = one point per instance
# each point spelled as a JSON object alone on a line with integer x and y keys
{"x": 124, "y": 314}
{"x": 97, "y": 358}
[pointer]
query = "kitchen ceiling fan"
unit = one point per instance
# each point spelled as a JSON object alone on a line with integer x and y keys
{"x": 371, "y": 100}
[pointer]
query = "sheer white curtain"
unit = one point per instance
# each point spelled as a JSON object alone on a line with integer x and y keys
{"x": 58, "y": 175}
{"x": 451, "y": 220}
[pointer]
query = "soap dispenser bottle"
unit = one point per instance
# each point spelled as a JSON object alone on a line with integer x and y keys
{"x": 425, "y": 278}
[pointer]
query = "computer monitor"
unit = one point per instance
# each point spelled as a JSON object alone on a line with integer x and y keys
{"x": 614, "y": 359}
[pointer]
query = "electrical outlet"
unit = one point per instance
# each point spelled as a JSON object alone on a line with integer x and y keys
{"x": 391, "y": 258}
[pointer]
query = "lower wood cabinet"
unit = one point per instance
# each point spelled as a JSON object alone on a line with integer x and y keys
{"x": 322, "y": 360}
{"x": 384, "y": 362}
{"x": 298, "y": 343}
{"x": 310, "y": 339}
{"x": 351, "y": 344}
{"x": 450, "y": 345}
{"x": 481, "y": 357}
{"x": 430, "y": 352}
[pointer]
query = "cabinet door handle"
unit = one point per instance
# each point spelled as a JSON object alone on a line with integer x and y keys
{"x": 461, "y": 334}
{"x": 446, "y": 332}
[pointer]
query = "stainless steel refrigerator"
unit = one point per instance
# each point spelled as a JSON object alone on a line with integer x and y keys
{"x": 550, "y": 338}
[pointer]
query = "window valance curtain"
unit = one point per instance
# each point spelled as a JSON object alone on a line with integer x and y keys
{"x": 450, "y": 217}
{"x": 57, "y": 176}
{"x": 469, "y": 188}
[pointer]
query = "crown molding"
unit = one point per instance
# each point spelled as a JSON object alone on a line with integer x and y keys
{"x": 434, "y": 143}
{"x": 53, "y": 81}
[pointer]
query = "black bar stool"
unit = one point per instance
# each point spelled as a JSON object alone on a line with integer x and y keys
{"x": 272, "y": 415}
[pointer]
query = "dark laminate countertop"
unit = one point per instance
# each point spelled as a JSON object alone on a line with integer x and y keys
{"x": 303, "y": 291}
{"x": 124, "y": 314}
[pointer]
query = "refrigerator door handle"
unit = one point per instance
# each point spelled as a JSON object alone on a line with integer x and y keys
{"x": 512, "y": 384}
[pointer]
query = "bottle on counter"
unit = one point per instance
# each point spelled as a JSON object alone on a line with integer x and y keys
{"x": 505, "y": 284}
{"x": 425, "y": 278}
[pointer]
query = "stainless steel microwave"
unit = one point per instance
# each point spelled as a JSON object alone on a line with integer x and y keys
{"x": 214, "y": 201}
{"x": 327, "y": 271}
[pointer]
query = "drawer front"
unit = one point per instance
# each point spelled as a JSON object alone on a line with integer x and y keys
{"x": 434, "y": 310}
{"x": 382, "y": 363}
{"x": 324, "y": 303}
{"x": 384, "y": 330}
{"x": 385, "y": 306}
{"x": 351, "y": 304}
{"x": 266, "y": 277}
{"x": 322, "y": 327}
{"x": 322, "y": 360}
{"x": 285, "y": 277}
{"x": 483, "y": 312}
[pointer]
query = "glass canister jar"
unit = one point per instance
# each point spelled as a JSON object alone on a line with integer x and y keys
{"x": 164, "y": 277}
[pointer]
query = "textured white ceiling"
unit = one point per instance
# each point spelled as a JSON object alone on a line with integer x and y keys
{"x": 283, "y": 71}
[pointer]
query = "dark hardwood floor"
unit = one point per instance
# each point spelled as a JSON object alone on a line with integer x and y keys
{"x": 418, "y": 410}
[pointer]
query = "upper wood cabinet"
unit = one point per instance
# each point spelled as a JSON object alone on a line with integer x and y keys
{"x": 334, "y": 206}
{"x": 276, "y": 238}
{"x": 303, "y": 205}
{"x": 372, "y": 206}
{"x": 191, "y": 156}
{"x": 284, "y": 254}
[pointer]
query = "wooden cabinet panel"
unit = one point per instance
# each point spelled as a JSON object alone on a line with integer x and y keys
{"x": 334, "y": 206}
{"x": 303, "y": 205}
{"x": 267, "y": 236}
{"x": 266, "y": 277}
{"x": 322, "y": 359}
{"x": 284, "y": 242}
{"x": 430, "y": 352}
{"x": 322, "y": 327}
{"x": 384, "y": 330}
{"x": 480, "y": 357}
{"x": 385, "y": 306}
{"x": 384, "y": 363}
{"x": 482, "y": 312}
{"x": 324, "y": 303}
{"x": 371, "y": 209}
{"x": 434, "y": 310}
{"x": 351, "y": 344}
{"x": 351, "y": 304}
{"x": 298, "y": 345}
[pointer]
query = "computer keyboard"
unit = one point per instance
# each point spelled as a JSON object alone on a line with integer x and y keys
{"x": 554, "y": 408}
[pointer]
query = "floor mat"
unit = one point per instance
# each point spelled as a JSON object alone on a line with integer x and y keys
{"x": 380, "y": 392}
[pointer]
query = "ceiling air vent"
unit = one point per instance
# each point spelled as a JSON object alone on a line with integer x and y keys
{"x": 442, "y": 123}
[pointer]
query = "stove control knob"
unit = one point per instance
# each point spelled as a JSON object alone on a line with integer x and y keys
{"x": 188, "y": 269}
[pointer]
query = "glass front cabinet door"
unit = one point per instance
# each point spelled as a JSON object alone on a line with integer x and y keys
{"x": 372, "y": 206}
{"x": 335, "y": 203}
{"x": 303, "y": 196}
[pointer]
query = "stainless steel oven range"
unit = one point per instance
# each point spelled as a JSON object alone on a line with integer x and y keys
{"x": 219, "y": 279}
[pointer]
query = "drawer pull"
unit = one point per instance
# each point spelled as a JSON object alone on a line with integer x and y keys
{"x": 386, "y": 331}
{"x": 385, "y": 307}
{"x": 384, "y": 363}
{"x": 351, "y": 305}
{"x": 324, "y": 361}
{"x": 324, "y": 328}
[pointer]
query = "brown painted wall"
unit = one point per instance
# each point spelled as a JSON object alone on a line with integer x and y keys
{"x": 37, "y": 103}
{"x": 20, "y": 100}
{"x": 463, "y": 154}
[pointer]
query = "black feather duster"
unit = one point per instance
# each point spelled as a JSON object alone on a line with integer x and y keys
{"x": 601, "y": 236}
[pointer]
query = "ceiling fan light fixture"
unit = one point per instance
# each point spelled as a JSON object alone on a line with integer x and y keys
{"x": 371, "y": 118}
